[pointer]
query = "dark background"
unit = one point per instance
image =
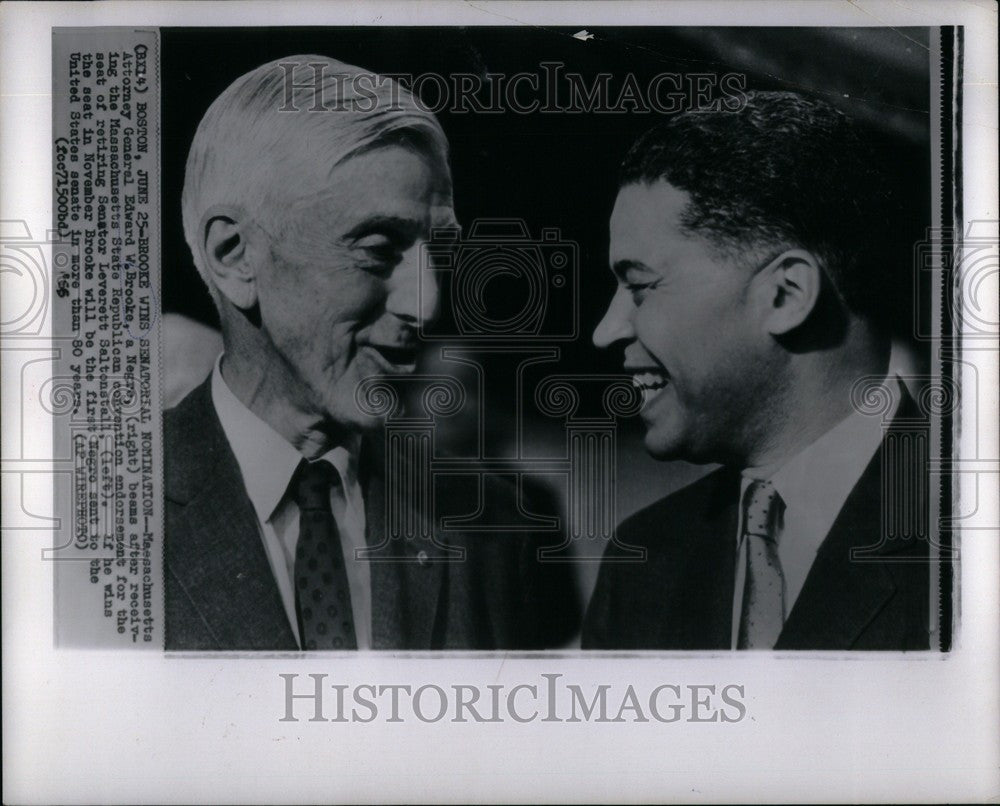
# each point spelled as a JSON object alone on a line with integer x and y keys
{"x": 558, "y": 170}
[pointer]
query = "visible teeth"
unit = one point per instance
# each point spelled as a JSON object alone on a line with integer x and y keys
{"x": 649, "y": 380}
{"x": 649, "y": 383}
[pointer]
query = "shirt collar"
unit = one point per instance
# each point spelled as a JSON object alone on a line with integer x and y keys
{"x": 815, "y": 483}
{"x": 266, "y": 459}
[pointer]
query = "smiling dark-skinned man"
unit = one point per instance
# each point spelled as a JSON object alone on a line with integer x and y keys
{"x": 750, "y": 302}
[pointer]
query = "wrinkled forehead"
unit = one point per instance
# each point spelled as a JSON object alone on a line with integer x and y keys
{"x": 393, "y": 184}
{"x": 338, "y": 165}
{"x": 390, "y": 171}
{"x": 317, "y": 146}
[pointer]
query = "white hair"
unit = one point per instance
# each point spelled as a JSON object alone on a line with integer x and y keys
{"x": 275, "y": 134}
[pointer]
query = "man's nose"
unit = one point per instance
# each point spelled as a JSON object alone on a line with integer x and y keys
{"x": 617, "y": 322}
{"x": 413, "y": 289}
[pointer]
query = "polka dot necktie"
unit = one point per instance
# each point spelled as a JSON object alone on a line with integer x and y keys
{"x": 763, "y": 613}
{"x": 322, "y": 593}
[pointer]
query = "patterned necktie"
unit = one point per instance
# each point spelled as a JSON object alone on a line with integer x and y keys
{"x": 763, "y": 613}
{"x": 322, "y": 594}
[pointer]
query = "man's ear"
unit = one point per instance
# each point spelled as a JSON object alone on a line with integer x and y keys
{"x": 229, "y": 250}
{"x": 792, "y": 285}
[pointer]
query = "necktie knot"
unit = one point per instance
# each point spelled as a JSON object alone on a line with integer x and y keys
{"x": 761, "y": 508}
{"x": 312, "y": 483}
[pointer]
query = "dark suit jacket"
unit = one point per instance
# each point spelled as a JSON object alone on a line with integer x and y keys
{"x": 681, "y": 596}
{"x": 221, "y": 594}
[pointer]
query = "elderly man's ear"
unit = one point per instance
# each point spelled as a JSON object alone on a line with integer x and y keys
{"x": 792, "y": 283}
{"x": 229, "y": 256}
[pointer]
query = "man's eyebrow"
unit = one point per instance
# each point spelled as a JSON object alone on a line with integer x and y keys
{"x": 406, "y": 226}
{"x": 622, "y": 267}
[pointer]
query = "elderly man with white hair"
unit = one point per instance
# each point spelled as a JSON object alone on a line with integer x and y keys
{"x": 306, "y": 225}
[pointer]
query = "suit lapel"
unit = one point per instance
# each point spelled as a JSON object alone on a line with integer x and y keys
{"x": 699, "y": 614}
{"x": 229, "y": 578}
{"x": 218, "y": 556}
{"x": 407, "y": 575}
{"x": 841, "y": 597}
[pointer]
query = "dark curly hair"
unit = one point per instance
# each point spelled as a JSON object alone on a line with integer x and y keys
{"x": 782, "y": 170}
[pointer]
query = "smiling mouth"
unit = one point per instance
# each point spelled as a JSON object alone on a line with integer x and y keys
{"x": 394, "y": 358}
{"x": 649, "y": 382}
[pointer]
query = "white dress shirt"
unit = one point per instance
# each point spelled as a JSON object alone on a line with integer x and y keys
{"x": 814, "y": 485}
{"x": 267, "y": 462}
